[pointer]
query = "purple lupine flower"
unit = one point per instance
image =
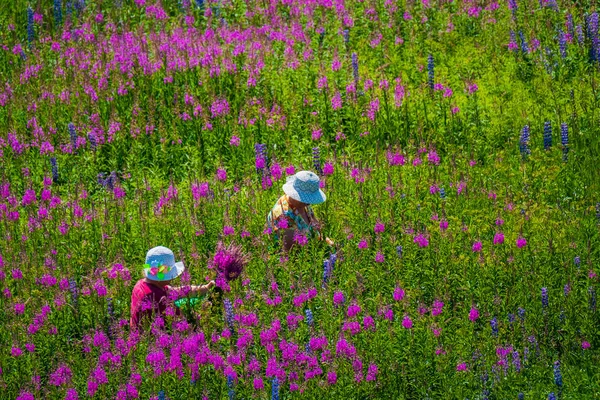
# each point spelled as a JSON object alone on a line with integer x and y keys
{"x": 562, "y": 44}
{"x": 544, "y": 297}
{"x": 355, "y": 67}
{"x": 317, "y": 160}
{"x": 524, "y": 142}
{"x": 547, "y": 135}
{"x": 430, "y": 71}
{"x": 558, "y": 380}
{"x": 564, "y": 139}
{"x": 494, "y": 326}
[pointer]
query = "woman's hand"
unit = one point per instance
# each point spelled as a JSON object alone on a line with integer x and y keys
{"x": 329, "y": 241}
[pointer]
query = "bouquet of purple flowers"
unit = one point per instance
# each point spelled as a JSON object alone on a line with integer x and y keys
{"x": 228, "y": 262}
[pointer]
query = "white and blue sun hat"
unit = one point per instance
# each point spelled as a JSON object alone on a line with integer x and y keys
{"x": 161, "y": 266}
{"x": 304, "y": 187}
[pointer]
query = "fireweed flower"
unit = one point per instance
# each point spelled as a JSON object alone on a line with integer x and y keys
{"x": 421, "y": 240}
{"x": 521, "y": 242}
{"x": 379, "y": 257}
{"x": 498, "y": 238}
{"x": 353, "y": 310}
{"x": 221, "y": 175}
{"x": 473, "y": 314}
{"x": 407, "y": 322}
{"x": 477, "y": 247}
{"x": 585, "y": 345}
{"x": 338, "y": 298}
{"x": 328, "y": 169}
{"x": 399, "y": 293}
{"x": 437, "y": 307}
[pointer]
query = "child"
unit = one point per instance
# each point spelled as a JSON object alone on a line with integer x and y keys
{"x": 151, "y": 293}
{"x": 293, "y": 214}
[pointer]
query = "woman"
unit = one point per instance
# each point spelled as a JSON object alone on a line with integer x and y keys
{"x": 292, "y": 214}
{"x": 151, "y": 293}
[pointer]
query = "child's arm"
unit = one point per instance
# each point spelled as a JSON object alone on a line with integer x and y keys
{"x": 192, "y": 290}
{"x": 200, "y": 290}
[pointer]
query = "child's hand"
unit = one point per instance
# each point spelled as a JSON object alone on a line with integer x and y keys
{"x": 207, "y": 287}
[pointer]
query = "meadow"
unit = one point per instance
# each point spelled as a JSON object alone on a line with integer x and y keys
{"x": 458, "y": 145}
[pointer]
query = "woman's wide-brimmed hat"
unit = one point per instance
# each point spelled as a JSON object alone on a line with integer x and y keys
{"x": 304, "y": 187}
{"x": 161, "y": 266}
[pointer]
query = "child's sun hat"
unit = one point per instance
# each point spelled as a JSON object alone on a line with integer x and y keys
{"x": 304, "y": 187}
{"x": 161, "y": 266}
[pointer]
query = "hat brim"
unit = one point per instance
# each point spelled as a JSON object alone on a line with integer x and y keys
{"x": 173, "y": 273}
{"x": 304, "y": 197}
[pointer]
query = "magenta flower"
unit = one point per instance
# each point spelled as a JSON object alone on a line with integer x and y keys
{"x": 389, "y": 314}
{"x": 585, "y": 345}
{"x": 407, "y": 322}
{"x": 234, "y": 141}
{"x": 477, "y": 247}
{"x": 331, "y": 378}
{"x": 328, "y": 169}
{"x": 300, "y": 239}
{"x": 443, "y": 225}
{"x": 521, "y": 242}
{"x": 338, "y": 298}
{"x": 499, "y": 238}
{"x": 437, "y": 307}
{"x": 368, "y": 323}
{"x": 363, "y": 244}
{"x": 399, "y": 293}
{"x": 353, "y": 310}
{"x": 473, "y": 314}
{"x": 421, "y": 240}
{"x": 15, "y": 351}
{"x": 461, "y": 367}
{"x": 379, "y": 227}
{"x": 379, "y": 258}
{"x": 19, "y": 308}
{"x": 290, "y": 170}
{"x": 221, "y": 175}
{"x": 372, "y": 373}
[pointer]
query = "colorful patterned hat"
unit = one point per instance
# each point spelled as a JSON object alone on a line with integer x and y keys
{"x": 161, "y": 266}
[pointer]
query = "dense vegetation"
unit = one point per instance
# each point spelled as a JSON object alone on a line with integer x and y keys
{"x": 457, "y": 142}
